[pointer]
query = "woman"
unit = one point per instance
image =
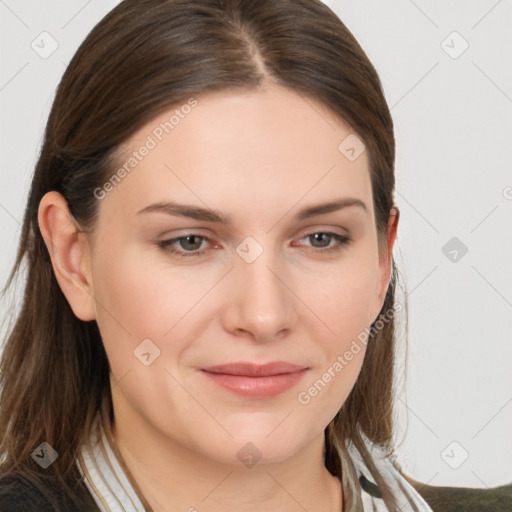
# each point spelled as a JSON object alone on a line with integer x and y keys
{"x": 208, "y": 321}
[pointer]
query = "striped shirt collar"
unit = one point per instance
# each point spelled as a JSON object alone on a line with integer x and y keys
{"x": 109, "y": 483}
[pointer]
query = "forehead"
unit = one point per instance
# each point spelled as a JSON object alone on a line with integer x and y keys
{"x": 266, "y": 148}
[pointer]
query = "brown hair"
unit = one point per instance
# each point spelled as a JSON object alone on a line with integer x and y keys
{"x": 144, "y": 57}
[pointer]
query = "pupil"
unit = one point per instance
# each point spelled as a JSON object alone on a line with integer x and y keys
{"x": 188, "y": 238}
{"x": 319, "y": 236}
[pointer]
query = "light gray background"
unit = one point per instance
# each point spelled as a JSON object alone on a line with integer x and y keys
{"x": 453, "y": 119}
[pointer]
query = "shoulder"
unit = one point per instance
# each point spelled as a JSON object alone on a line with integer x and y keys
{"x": 464, "y": 499}
{"x": 18, "y": 492}
{"x": 371, "y": 495}
{"x": 430, "y": 497}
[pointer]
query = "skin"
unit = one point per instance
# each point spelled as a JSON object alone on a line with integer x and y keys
{"x": 258, "y": 157}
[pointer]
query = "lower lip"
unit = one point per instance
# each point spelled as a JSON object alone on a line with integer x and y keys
{"x": 258, "y": 387}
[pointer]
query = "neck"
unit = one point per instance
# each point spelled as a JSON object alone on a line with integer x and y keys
{"x": 169, "y": 476}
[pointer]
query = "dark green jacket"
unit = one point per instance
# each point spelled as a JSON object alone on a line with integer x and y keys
{"x": 465, "y": 499}
{"x": 18, "y": 495}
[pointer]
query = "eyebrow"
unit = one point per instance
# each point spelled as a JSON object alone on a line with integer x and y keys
{"x": 207, "y": 215}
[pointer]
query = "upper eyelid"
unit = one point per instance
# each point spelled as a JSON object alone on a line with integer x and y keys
{"x": 302, "y": 232}
{"x": 210, "y": 239}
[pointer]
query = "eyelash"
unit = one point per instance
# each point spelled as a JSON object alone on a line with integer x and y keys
{"x": 167, "y": 247}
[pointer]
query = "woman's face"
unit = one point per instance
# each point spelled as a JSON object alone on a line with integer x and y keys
{"x": 177, "y": 291}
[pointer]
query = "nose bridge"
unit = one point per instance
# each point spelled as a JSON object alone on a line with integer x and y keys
{"x": 263, "y": 304}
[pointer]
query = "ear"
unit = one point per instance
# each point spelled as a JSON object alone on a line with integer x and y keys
{"x": 385, "y": 261}
{"x": 69, "y": 252}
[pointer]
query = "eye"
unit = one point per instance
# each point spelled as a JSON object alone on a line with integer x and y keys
{"x": 324, "y": 239}
{"x": 189, "y": 243}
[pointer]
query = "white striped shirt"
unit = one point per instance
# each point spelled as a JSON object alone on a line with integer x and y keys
{"x": 111, "y": 489}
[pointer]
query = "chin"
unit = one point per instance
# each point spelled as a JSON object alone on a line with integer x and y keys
{"x": 249, "y": 454}
{"x": 257, "y": 446}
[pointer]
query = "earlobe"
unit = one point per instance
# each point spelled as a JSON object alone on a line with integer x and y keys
{"x": 69, "y": 253}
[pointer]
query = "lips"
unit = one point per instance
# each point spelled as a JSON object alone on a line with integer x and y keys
{"x": 256, "y": 381}
{"x": 255, "y": 370}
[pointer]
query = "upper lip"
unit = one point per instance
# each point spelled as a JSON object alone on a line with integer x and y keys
{"x": 255, "y": 370}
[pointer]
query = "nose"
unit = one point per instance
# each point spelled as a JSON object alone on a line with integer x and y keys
{"x": 260, "y": 302}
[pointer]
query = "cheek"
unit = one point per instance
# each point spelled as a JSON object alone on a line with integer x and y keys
{"x": 343, "y": 302}
{"x": 344, "y": 297}
{"x": 130, "y": 305}
{"x": 139, "y": 298}
{"x": 136, "y": 292}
